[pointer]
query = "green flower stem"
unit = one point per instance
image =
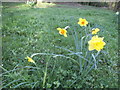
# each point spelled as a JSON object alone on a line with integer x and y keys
{"x": 85, "y": 31}
{"x": 94, "y": 57}
{"x": 94, "y": 61}
{"x": 45, "y": 75}
{"x": 81, "y": 44}
{"x": 80, "y": 61}
{"x": 97, "y": 53}
{"x": 75, "y": 40}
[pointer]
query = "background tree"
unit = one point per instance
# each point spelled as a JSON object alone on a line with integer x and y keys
{"x": 114, "y": 5}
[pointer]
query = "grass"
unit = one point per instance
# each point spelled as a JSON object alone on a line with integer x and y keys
{"x": 27, "y": 30}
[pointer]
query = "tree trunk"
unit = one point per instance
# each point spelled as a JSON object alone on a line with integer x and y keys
{"x": 39, "y": 1}
{"x": 114, "y": 5}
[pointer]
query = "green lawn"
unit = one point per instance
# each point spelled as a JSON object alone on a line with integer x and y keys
{"x": 27, "y": 30}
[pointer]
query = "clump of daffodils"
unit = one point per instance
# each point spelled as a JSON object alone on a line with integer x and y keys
{"x": 96, "y": 43}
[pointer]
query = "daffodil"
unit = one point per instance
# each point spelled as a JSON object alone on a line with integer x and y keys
{"x": 62, "y": 31}
{"x": 82, "y": 22}
{"x": 30, "y": 60}
{"x": 94, "y": 31}
{"x": 96, "y": 43}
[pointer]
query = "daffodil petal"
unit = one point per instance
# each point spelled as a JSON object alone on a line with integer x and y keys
{"x": 65, "y": 35}
{"x": 58, "y": 28}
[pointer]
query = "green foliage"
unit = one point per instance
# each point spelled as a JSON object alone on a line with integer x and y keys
{"x": 29, "y": 30}
{"x": 97, "y": 4}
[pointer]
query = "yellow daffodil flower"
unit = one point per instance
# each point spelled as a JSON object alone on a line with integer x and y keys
{"x": 30, "y": 60}
{"x": 96, "y": 43}
{"x": 82, "y": 22}
{"x": 94, "y": 31}
{"x": 62, "y": 31}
